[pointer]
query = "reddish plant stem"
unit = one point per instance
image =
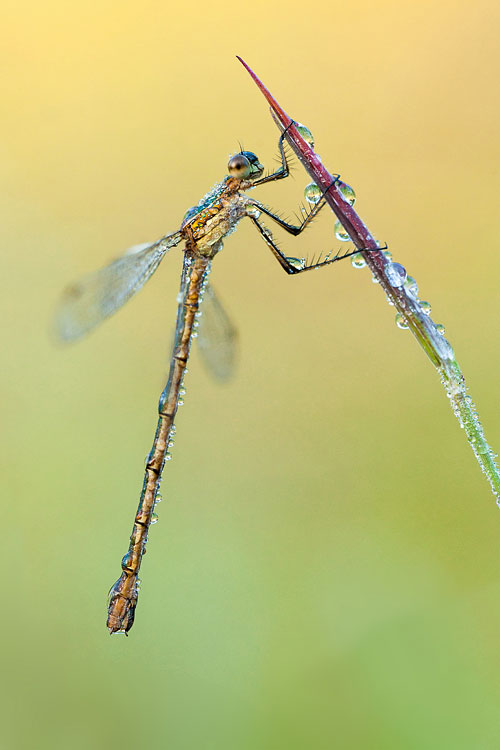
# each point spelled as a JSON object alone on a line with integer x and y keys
{"x": 437, "y": 348}
{"x": 420, "y": 324}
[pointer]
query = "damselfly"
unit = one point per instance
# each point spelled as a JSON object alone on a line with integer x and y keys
{"x": 100, "y": 294}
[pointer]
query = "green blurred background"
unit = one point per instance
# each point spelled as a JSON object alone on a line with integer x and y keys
{"x": 326, "y": 570}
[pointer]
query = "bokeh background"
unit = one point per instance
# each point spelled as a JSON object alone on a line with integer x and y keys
{"x": 326, "y": 569}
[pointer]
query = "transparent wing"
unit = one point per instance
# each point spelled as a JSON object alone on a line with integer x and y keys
{"x": 217, "y": 336}
{"x": 100, "y": 294}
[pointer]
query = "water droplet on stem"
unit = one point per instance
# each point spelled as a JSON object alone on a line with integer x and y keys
{"x": 395, "y": 274}
{"x": 340, "y": 232}
{"x": 305, "y": 133}
{"x": 347, "y": 192}
{"x": 312, "y": 193}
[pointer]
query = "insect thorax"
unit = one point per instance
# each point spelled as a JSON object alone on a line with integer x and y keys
{"x": 215, "y": 216}
{"x": 207, "y": 202}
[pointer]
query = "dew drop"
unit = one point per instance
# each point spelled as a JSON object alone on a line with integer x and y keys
{"x": 168, "y": 456}
{"x": 253, "y": 211}
{"x": 298, "y": 263}
{"x": 395, "y": 274}
{"x": 411, "y": 286}
{"x": 445, "y": 349}
{"x": 154, "y": 518}
{"x": 358, "y": 261}
{"x": 388, "y": 254}
{"x": 400, "y": 321}
{"x": 340, "y": 232}
{"x": 440, "y": 328}
{"x": 312, "y": 193}
{"x": 425, "y": 307}
{"x": 305, "y": 133}
{"x": 126, "y": 561}
{"x": 180, "y": 402}
{"x": 375, "y": 280}
{"x": 182, "y": 392}
{"x": 347, "y": 192}
{"x": 158, "y": 498}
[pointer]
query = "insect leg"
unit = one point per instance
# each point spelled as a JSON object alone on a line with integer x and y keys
{"x": 294, "y": 265}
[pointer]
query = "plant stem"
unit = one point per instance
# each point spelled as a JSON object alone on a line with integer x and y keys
{"x": 403, "y": 295}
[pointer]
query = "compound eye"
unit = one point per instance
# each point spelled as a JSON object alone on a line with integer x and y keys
{"x": 239, "y": 166}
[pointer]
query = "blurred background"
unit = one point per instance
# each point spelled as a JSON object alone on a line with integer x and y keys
{"x": 326, "y": 569}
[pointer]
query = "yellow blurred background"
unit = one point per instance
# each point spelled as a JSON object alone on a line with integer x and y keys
{"x": 326, "y": 569}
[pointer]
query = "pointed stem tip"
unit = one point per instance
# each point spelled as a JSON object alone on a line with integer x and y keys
{"x": 282, "y": 115}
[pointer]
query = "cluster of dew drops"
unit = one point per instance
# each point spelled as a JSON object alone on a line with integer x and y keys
{"x": 395, "y": 273}
{"x": 397, "y": 277}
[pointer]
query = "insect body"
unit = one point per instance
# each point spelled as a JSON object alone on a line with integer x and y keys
{"x": 100, "y": 294}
